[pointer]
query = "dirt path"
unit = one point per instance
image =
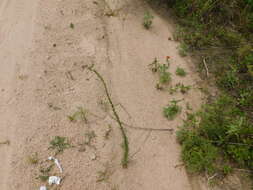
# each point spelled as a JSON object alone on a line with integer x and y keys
{"x": 43, "y": 79}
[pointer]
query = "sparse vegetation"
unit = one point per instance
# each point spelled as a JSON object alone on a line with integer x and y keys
{"x": 172, "y": 110}
{"x": 216, "y": 135}
{"x": 72, "y": 25}
{"x": 59, "y": 144}
{"x": 220, "y": 35}
{"x": 147, "y": 20}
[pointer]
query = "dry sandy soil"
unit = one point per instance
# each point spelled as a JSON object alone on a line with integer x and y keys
{"x": 43, "y": 79}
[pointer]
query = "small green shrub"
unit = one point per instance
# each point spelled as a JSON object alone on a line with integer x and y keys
{"x": 172, "y": 110}
{"x": 147, "y": 20}
{"x": 198, "y": 154}
{"x": 219, "y": 130}
{"x": 165, "y": 76}
{"x": 181, "y": 72}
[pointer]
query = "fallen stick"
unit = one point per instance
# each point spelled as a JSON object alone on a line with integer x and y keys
{"x": 207, "y": 71}
{"x": 125, "y": 139}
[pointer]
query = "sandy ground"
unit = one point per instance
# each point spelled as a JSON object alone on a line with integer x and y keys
{"x": 43, "y": 79}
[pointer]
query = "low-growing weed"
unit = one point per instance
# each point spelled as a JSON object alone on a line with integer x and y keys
{"x": 172, "y": 109}
{"x": 180, "y": 72}
{"x": 162, "y": 70}
{"x": 147, "y": 20}
{"x": 59, "y": 144}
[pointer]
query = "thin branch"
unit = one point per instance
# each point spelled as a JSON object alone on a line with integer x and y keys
{"x": 207, "y": 71}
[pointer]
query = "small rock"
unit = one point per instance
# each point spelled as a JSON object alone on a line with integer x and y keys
{"x": 54, "y": 180}
{"x": 43, "y": 188}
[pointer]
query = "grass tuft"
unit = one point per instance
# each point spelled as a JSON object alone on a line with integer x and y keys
{"x": 172, "y": 110}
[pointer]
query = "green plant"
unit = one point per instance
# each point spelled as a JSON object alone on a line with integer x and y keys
{"x": 59, "y": 144}
{"x": 72, "y": 25}
{"x": 162, "y": 70}
{"x": 147, "y": 20}
{"x": 165, "y": 76}
{"x": 181, "y": 72}
{"x": 198, "y": 154}
{"x": 181, "y": 87}
{"x": 227, "y": 169}
{"x": 221, "y": 129}
{"x": 172, "y": 109}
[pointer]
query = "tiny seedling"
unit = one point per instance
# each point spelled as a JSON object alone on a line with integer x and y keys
{"x": 147, "y": 20}
{"x": 165, "y": 76}
{"x": 81, "y": 114}
{"x": 162, "y": 70}
{"x": 172, "y": 109}
{"x": 72, "y": 25}
{"x": 59, "y": 144}
{"x": 33, "y": 159}
{"x": 154, "y": 65}
{"x": 180, "y": 72}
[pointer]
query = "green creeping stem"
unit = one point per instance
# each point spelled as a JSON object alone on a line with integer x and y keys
{"x": 125, "y": 139}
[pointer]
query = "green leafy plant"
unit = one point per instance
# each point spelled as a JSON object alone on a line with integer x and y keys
{"x": 181, "y": 72}
{"x": 147, "y": 20}
{"x": 221, "y": 131}
{"x": 172, "y": 109}
{"x": 59, "y": 144}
